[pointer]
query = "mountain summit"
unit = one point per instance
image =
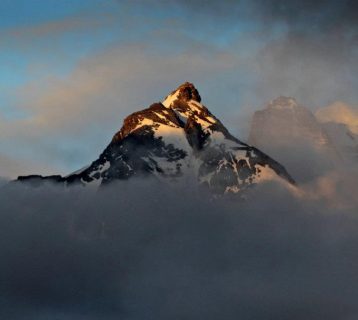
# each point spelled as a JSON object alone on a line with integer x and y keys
{"x": 177, "y": 139}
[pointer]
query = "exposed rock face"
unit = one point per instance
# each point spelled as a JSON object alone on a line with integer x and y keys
{"x": 187, "y": 92}
{"x": 179, "y": 139}
{"x": 292, "y": 133}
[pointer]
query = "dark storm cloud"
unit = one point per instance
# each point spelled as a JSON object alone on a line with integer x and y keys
{"x": 142, "y": 251}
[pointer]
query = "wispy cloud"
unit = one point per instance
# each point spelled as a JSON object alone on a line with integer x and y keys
{"x": 89, "y": 106}
{"x": 57, "y": 27}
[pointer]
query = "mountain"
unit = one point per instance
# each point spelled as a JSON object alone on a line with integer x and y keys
{"x": 291, "y": 132}
{"x": 177, "y": 139}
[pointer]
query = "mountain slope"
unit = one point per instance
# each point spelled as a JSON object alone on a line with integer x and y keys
{"x": 178, "y": 139}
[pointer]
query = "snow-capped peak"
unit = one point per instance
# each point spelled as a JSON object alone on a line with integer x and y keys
{"x": 185, "y": 92}
{"x": 178, "y": 139}
{"x": 185, "y": 101}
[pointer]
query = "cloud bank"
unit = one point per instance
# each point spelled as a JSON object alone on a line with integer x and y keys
{"x": 340, "y": 112}
{"x": 144, "y": 250}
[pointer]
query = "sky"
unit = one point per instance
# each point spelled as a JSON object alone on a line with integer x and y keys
{"x": 70, "y": 71}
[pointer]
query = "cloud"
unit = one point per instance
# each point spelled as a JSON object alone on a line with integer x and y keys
{"x": 3, "y": 181}
{"x": 340, "y": 112}
{"x": 305, "y": 49}
{"x": 56, "y": 27}
{"x": 334, "y": 188}
{"x": 74, "y": 118}
{"x": 176, "y": 254}
{"x": 306, "y": 14}
{"x": 319, "y": 15}
{"x": 12, "y": 168}
{"x": 314, "y": 71}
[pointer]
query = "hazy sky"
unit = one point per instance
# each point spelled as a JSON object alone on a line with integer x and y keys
{"x": 70, "y": 71}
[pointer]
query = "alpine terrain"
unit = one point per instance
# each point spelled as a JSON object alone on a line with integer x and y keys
{"x": 307, "y": 144}
{"x": 291, "y": 132}
{"x": 283, "y": 121}
{"x": 177, "y": 139}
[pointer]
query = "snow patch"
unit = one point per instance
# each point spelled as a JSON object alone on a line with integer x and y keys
{"x": 173, "y": 135}
{"x": 170, "y": 99}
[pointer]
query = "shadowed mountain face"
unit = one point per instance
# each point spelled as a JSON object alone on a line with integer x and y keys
{"x": 177, "y": 139}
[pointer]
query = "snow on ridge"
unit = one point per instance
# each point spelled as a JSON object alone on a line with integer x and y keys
{"x": 170, "y": 99}
{"x": 173, "y": 135}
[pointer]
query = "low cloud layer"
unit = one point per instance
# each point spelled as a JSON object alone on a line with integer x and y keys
{"x": 141, "y": 250}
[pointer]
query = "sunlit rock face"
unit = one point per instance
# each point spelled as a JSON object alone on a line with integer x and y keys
{"x": 180, "y": 140}
{"x": 292, "y": 134}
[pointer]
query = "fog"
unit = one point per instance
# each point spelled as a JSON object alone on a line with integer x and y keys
{"x": 148, "y": 250}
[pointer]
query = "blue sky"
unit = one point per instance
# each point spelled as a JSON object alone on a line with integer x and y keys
{"x": 71, "y": 70}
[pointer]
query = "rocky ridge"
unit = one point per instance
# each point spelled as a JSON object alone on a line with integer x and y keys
{"x": 178, "y": 139}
